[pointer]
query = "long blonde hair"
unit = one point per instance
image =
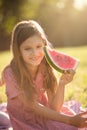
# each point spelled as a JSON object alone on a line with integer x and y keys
{"x": 21, "y": 32}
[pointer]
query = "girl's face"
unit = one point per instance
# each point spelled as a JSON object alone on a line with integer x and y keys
{"x": 32, "y": 51}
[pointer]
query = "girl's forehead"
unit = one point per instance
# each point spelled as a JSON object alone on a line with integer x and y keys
{"x": 34, "y": 40}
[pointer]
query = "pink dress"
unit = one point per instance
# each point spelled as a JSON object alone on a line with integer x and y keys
{"x": 22, "y": 117}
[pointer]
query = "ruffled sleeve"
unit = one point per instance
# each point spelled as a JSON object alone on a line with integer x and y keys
{"x": 12, "y": 89}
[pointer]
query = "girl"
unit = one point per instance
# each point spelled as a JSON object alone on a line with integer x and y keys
{"x": 34, "y": 97}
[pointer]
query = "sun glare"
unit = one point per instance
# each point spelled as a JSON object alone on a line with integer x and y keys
{"x": 80, "y": 4}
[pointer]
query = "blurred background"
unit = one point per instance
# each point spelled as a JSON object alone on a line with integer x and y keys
{"x": 64, "y": 21}
{"x": 65, "y": 24}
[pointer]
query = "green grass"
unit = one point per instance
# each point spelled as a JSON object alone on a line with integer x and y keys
{"x": 77, "y": 89}
{"x": 4, "y": 60}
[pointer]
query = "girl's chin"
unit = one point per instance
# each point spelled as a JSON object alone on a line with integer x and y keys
{"x": 35, "y": 63}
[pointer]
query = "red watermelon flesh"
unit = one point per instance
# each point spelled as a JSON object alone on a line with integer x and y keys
{"x": 60, "y": 61}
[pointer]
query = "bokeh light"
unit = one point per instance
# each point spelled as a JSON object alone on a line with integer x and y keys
{"x": 80, "y": 4}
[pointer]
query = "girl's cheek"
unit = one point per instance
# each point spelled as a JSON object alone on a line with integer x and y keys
{"x": 42, "y": 53}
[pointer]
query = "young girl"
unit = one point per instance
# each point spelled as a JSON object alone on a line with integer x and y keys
{"x": 34, "y": 97}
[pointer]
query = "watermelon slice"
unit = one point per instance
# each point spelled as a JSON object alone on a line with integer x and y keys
{"x": 60, "y": 61}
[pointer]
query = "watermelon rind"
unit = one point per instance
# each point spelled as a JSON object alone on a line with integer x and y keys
{"x": 56, "y": 67}
{"x": 50, "y": 61}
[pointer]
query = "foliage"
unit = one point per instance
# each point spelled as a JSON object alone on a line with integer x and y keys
{"x": 77, "y": 89}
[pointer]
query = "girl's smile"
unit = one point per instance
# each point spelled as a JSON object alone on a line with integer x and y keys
{"x": 32, "y": 51}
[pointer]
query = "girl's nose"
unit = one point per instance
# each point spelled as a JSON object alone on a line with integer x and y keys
{"x": 34, "y": 51}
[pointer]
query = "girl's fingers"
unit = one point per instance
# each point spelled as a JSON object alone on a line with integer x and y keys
{"x": 83, "y": 113}
{"x": 69, "y": 72}
{"x": 72, "y": 72}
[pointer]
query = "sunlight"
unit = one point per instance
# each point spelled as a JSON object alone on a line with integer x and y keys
{"x": 80, "y": 4}
{"x": 60, "y": 5}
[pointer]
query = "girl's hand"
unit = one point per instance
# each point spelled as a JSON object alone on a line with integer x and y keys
{"x": 80, "y": 120}
{"x": 66, "y": 77}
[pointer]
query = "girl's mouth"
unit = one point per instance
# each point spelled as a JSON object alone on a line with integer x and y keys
{"x": 35, "y": 58}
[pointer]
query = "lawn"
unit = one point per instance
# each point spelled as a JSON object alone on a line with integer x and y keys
{"x": 4, "y": 60}
{"x": 77, "y": 89}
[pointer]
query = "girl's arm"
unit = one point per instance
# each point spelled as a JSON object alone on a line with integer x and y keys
{"x": 58, "y": 99}
{"x": 48, "y": 113}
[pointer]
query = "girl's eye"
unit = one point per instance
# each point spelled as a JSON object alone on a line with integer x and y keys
{"x": 27, "y": 49}
{"x": 39, "y": 46}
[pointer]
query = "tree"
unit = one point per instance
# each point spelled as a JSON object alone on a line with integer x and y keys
{"x": 12, "y": 11}
{"x": 10, "y": 14}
